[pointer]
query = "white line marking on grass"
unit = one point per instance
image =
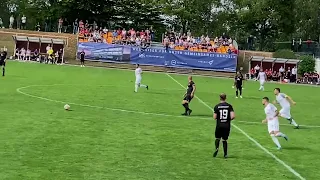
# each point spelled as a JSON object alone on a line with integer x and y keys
{"x": 19, "y": 90}
{"x": 250, "y": 138}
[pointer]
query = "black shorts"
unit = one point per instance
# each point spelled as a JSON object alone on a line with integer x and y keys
{"x": 81, "y": 60}
{"x": 222, "y": 132}
{"x": 239, "y": 86}
{"x": 2, "y": 63}
{"x": 188, "y": 98}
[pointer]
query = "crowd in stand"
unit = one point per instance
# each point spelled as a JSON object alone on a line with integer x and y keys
{"x": 288, "y": 75}
{"x": 186, "y": 41}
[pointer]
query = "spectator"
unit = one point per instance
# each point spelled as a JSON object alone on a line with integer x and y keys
{"x": 281, "y": 71}
{"x": 1, "y": 23}
{"x": 38, "y": 27}
{"x": 46, "y": 24}
{"x": 23, "y": 22}
{"x": 65, "y": 25}
{"x": 275, "y": 76}
{"x": 60, "y": 24}
{"x": 36, "y": 55}
{"x": 23, "y": 54}
{"x": 257, "y": 69}
{"x": 11, "y": 21}
{"x": 288, "y": 74}
{"x": 75, "y": 26}
{"x": 294, "y": 74}
{"x": 17, "y": 54}
{"x": 28, "y": 55}
{"x": 81, "y": 24}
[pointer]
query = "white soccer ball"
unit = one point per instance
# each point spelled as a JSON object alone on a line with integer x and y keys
{"x": 66, "y": 107}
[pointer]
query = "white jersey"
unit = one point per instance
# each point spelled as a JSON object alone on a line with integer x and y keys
{"x": 273, "y": 121}
{"x": 282, "y": 100}
{"x": 262, "y": 76}
{"x": 270, "y": 111}
{"x": 138, "y": 72}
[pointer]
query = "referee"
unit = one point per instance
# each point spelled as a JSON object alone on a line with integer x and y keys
{"x": 3, "y": 57}
{"x": 223, "y": 114}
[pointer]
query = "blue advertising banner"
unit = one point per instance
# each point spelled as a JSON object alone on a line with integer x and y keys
{"x": 184, "y": 59}
{"x": 104, "y": 52}
{"x": 159, "y": 57}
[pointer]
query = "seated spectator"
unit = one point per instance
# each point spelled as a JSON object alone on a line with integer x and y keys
{"x": 36, "y": 55}
{"x": 275, "y": 76}
{"x": 28, "y": 55}
{"x": 269, "y": 74}
{"x": 23, "y": 54}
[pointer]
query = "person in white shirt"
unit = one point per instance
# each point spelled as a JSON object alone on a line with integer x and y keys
{"x": 23, "y": 22}
{"x": 293, "y": 74}
{"x": 23, "y": 54}
{"x": 138, "y": 73}
{"x": 285, "y": 102}
{"x": 281, "y": 71}
{"x": 257, "y": 69}
{"x": 272, "y": 121}
{"x": 262, "y": 77}
{"x": 11, "y": 20}
{"x": 28, "y": 55}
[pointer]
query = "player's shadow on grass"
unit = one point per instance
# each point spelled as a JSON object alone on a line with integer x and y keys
{"x": 251, "y": 97}
{"x": 297, "y": 148}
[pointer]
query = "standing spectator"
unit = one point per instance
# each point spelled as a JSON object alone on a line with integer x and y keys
{"x": 38, "y": 27}
{"x": 288, "y": 74}
{"x": 17, "y": 54}
{"x": 65, "y": 25}
{"x": 95, "y": 26}
{"x": 281, "y": 71}
{"x": 257, "y": 69}
{"x": 60, "y": 54}
{"x": 1, "y": 23}
{"x": 11, "y": 21}
{"x": 82, "y": 56}
{"x": 60, "y": 23}
{"x": 23, "y": 22}
{"x": 81, "y": 24}
{"x": 86, "y": 25}
{"x": 75, "y": 26}
{"x": 46, "y": 24}
{"x": 294, "y": 74}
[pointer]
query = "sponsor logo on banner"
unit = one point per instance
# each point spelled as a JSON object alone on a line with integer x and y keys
{"x": 206, "y": 62}
{"x": 173, "y": 62}
{"x": 142, "y": 55}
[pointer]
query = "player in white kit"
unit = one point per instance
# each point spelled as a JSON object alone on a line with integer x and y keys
{"x": 138, "y": 73}
{"x": 273, "y": 122}
{"x": 285, "y": 102}
{"x": 262, "y": 77}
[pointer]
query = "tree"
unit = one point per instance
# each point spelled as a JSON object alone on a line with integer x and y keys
{"x": 307, "y": 65}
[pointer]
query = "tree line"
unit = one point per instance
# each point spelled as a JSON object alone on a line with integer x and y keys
{"x": 261, "y": 21}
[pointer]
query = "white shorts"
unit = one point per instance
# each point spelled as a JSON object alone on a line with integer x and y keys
{"x": 262, "y": 82}
{"x": 285, "y": 113}
{"x": 273, "y": 125}
{"x": 138, "y": 80}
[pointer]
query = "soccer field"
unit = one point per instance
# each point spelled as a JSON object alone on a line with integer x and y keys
{"x": 113, "y": 133}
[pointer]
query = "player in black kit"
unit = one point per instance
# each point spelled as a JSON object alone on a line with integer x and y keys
{"x": 188, "y": 96}
{"x": 238, "y": 82}
{"x": 223, "y": 114}
{"x": 3, "y": 57}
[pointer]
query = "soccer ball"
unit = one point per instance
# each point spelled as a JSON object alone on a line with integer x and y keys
{"x": 66, "y": 107}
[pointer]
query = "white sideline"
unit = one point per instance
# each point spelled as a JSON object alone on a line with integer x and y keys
{"x": 19, "y": 90}
{"x": 250, "y": 138}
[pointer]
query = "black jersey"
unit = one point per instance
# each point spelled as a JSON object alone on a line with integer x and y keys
{"x": 190, "y": 87}
{"x": 223, "y": 111}
{"x": 82, "y": 54}
{"x": 238, "y": 79}
{"x": 3, "y": 56}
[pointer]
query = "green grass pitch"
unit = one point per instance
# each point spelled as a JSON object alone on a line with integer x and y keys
{"x": 113, "y": 133}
